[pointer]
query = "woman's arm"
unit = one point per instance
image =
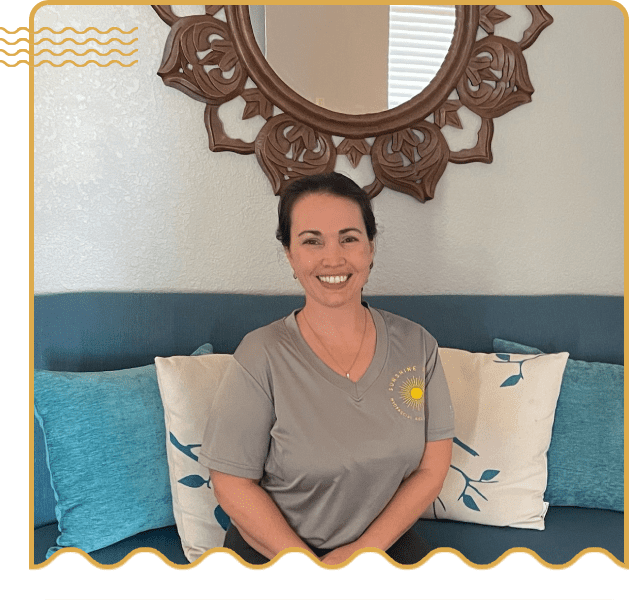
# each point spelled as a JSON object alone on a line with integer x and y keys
{"x": 254, "y": 513}
{"x": 409, "y": 502}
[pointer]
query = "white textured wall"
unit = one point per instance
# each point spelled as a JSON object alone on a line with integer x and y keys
{"x": 129, "y": 197}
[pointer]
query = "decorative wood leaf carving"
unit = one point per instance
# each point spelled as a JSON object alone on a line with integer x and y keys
{"x": 354, "y": 150}
{"x": 409, "y": 153}
{"x": 287, "y": 149}
{"x": 184, "y": 69}
{"x": 257, "y": 104}
{"x": 446, "y": 114}
{"x": 212, "y": 9}
{"x": 498, "y": 83}
{"x": 219, "y": 140}
{"x": 482, "y": 151}
{"x": 541, "y": 20}
{"x": 374, "y": 188}
{"x": 166, "y": 14}
{"x": 490, "y": 16}
{"x": 411, "y": 161}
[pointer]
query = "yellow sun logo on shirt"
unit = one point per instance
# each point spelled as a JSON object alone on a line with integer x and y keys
{"x": 412, "y": 392}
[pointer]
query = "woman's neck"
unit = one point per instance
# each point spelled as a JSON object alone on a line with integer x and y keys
{"x": 343, "y": 320}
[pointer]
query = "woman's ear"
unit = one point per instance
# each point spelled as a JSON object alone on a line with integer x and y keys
{"x": 289, "y": 257}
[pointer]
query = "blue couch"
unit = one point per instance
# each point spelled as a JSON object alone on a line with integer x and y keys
{"x": 111, "y": 331}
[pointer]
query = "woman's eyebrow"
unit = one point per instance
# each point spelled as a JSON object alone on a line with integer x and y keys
{"x": 341, "y": 232}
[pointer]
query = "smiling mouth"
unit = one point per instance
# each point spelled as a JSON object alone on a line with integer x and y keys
{"x": 333, "y": 279}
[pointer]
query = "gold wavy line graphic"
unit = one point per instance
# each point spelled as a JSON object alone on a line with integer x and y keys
{"x": 80, "y": 32}
{"x": 205, "y": 556}
{"x": 14, "y": 53}
{"x": 84, "y": 53}
{"x": 16, "y": 64}
{"x": 16, "y": 41}
{"x": 65, "y": 62}
{"x": 85, "y": 42}
{"x": 12, "y": 32}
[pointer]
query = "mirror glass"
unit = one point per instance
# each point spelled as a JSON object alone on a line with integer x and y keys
{"x": 354, "y": 59}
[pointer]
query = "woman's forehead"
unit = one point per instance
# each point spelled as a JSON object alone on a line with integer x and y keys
{"x": 328, "y": 211}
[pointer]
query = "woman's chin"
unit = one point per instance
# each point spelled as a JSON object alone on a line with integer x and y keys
{"x": 335, "y": 298}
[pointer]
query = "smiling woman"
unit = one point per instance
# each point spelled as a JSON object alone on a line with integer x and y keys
{"x": 331, "y": 261}
{"x": 333, "y": 266}
{"x": 305, "y": 423}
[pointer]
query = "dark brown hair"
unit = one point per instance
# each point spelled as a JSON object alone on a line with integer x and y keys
{"x": 328, "y": 183}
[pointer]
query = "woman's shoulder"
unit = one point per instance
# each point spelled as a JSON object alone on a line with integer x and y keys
{"x": 257, "y": 348}
{"x": 264, "y": 337}
{"x": 254, "y": 353}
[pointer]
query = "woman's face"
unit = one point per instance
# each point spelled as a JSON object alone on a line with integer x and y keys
{"x": 329, "y": 249}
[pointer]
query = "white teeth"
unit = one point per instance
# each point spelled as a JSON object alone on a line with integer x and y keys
{"x": 335, "y": 279}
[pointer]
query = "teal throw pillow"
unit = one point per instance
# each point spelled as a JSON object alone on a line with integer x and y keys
{"x": 106, "y": 451}
{"x": 586, "y": 453}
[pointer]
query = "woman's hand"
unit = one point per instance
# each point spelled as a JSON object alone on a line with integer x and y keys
{"x": 257, "y": 517}
{"x": 411, "y": 499}
{"x": 406, "y": 506}
{"x": 340, "y": 554}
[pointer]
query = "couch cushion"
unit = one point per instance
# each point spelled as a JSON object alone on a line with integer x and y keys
{"x": 165, "y": 540}
{"x": 568, "y": 531}
{"x": 106, "y": 452}
{"x": 586, "y": 454}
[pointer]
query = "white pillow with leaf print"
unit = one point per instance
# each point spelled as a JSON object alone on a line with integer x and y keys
{"x": 504, "y": 407}
{"x": 187, "y": 385}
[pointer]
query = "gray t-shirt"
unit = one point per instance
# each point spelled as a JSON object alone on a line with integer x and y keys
{"x": 331, "y": 453}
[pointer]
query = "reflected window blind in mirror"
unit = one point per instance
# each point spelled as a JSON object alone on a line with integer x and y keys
{"x": 419, "y": 39}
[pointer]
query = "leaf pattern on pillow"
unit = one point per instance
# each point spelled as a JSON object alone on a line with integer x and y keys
{"x": 194, "y": 481}
{"x": 465, "y": 447}
{"x": 197, "y": 481}
{"x": 187, "y": 450}
{"x": 221, "y": 516}
{"x": 513, "y": 379}
{"x": 488, "y": 476}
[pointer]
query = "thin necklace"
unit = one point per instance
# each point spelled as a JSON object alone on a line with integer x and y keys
{"x": 362, "y": 339}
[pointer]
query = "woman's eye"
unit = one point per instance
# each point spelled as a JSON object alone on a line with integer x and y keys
{"x": 311, "y": 241}
{"x": 350, "y": 239}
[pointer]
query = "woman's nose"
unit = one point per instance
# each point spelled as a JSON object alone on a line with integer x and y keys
{"x": 333, "y": 254}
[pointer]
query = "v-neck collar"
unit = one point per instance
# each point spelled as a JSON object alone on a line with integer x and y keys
{"x": 357, "y": 389}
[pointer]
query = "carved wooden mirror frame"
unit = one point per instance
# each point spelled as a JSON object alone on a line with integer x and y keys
{"x": 409, "y": 153}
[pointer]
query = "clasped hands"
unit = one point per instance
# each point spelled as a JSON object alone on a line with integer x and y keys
{"x": 340, "y": 554}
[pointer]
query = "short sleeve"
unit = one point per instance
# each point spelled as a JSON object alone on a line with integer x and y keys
{"x": 439, "y": 412}
{"x": 237, "y": 435}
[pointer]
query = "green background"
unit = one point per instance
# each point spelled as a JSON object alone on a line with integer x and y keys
{"x": 219, "y": 577}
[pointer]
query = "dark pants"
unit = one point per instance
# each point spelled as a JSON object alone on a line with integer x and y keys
{"x": 408, "y": 550}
